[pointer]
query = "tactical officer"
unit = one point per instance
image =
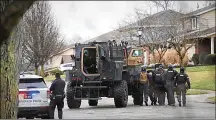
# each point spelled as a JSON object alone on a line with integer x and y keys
{"x": 57, "y": 96}
{"x": 180, "y": 81}
{"x": 159, "y": 85}
{"x": 143, "y": 86}
{"x": 170, "y": 77}
{"x": 151, "y": 88}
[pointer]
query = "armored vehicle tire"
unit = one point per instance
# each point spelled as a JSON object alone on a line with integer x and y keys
{"x": 93, "y": 102}
{"x": 70, "y": 98}
{"x": 136, "y": 98}
{"x": 121, "y": 94}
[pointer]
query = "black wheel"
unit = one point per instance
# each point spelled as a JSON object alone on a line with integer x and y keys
{"x": 121, "y": 94}
{"x": 136, "y": 94}
{"x": 136, "y": 98}
{"x": 93, "y": 102}
{"x": 29, "y": 117}
{"x": 45, "y": 117}
{"x": 70, "y": 98}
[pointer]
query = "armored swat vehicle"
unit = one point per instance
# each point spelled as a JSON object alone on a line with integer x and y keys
{"x": 104, "y": 69}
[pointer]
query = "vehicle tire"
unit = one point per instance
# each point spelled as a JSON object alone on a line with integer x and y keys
{"x": 136, "y": 95}
{"x": 121, "y": 94}
{"x": 93, "y": 102}
{"x": 136, "y": 99}
{"x": 29, "y": 117}
{"x": 45, "y": 117}
{"x": 70, "y": 98}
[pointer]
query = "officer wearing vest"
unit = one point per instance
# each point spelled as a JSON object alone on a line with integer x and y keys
{"x": 57, "y": 96}
{"x": 143, "y": 86}
{"x": 159, "y": 85}
{"x": 180, "y": 81}
{"x": 170, "y": 77}
{"x": 151, "y": 88}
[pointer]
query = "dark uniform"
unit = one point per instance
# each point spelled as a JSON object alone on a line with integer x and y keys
{"x": 180, "y": 81}
{"x": 151, "y": 89}
{"x": 170, "y": 77}
{"x": 159, "y": 85}
{"x": 143, "y": 86}
{"x": 57, "y": 97}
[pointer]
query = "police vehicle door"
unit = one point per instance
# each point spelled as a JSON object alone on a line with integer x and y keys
{"x": 100, "y": 57}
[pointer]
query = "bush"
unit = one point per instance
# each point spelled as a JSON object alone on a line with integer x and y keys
{"x": 195, "y": 59}
{"x": 210, "y": 59}
{"x": 53, "y": 72}
{"x": 202, "y": 57}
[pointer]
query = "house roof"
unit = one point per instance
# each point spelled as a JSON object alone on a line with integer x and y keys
{"x": 160, "y": 16}
{"x": 202, "y": 33}
{"x": 201, "y": 10}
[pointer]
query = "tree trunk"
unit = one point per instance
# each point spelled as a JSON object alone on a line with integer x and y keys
{"x": 42, "y": 70}
{"x": 9, "y": 82}
{"x": 181, "y": 61}
{"x": 36, "y": 70}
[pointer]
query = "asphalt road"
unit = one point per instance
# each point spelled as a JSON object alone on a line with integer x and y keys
{"x": 197, "y": 108}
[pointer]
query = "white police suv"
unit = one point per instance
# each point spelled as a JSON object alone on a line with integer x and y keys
{"x": 33, "y": 97}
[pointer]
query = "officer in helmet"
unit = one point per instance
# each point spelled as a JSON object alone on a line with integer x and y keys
{"x": 169, "y": 84}
{"x": 180, "y": 82}
{"x": 143, "y": 86}
{"x": 159, "y": 85}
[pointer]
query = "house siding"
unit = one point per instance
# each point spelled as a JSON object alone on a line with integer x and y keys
{"x": 208, "y": 17}
{"x": 55, "y": 61}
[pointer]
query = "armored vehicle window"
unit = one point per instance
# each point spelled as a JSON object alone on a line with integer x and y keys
{"x": 137, "y": 53}
{"x": 89, "y": 61}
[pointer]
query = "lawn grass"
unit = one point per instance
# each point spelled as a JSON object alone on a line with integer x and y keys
{"x": 195, "y": 92}
{"x": 52, "y": 77}
{"x": 202, "y": 80}
{"x": 212, "y": 99}
{"x": 201, "y": 77}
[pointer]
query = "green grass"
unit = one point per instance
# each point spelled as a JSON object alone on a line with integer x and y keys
{"x": 204, "y": 80}
{"x": 52, "y": 77}
{"x": 196, "y": 92}
{"x": 201, "y": 77}
{"x": 212, "y": 99}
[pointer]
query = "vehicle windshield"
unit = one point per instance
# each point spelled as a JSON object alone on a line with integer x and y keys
{"x": 32, "y": 83}
{"x": 137, "y": 53}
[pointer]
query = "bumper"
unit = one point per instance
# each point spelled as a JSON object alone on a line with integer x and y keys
{"x": 33, "y": 111}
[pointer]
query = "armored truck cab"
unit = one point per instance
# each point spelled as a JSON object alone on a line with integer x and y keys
{"x": 104, "y": 69}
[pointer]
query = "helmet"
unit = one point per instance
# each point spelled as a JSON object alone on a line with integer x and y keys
{"x": 143, "y": 69}
{"x": 161, "y": 66}
{"x": 170, "y": 67}
{"x": 182, "y": 69}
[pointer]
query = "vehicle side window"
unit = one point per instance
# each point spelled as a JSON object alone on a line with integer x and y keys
{"x": 137, "y": 53}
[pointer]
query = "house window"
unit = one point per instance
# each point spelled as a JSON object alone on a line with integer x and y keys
{"x": 194, "y": 23}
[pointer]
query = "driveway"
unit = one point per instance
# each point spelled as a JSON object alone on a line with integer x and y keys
{"x": 197, "y": 107}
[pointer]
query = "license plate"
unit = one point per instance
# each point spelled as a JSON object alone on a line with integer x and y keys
{"x": 27, "y": 97}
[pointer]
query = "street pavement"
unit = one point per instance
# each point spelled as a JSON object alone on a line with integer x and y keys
{"x": 197, "y": 108}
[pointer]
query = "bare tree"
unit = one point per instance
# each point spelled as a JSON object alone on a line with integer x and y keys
{"x": 181, "y": 36}
{"x": 153, "y": 36}
{"x": 164, "y": 4}
{"x": 42, "y": 34}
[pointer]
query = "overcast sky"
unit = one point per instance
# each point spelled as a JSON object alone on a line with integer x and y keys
{"x": 89, "y": 19}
